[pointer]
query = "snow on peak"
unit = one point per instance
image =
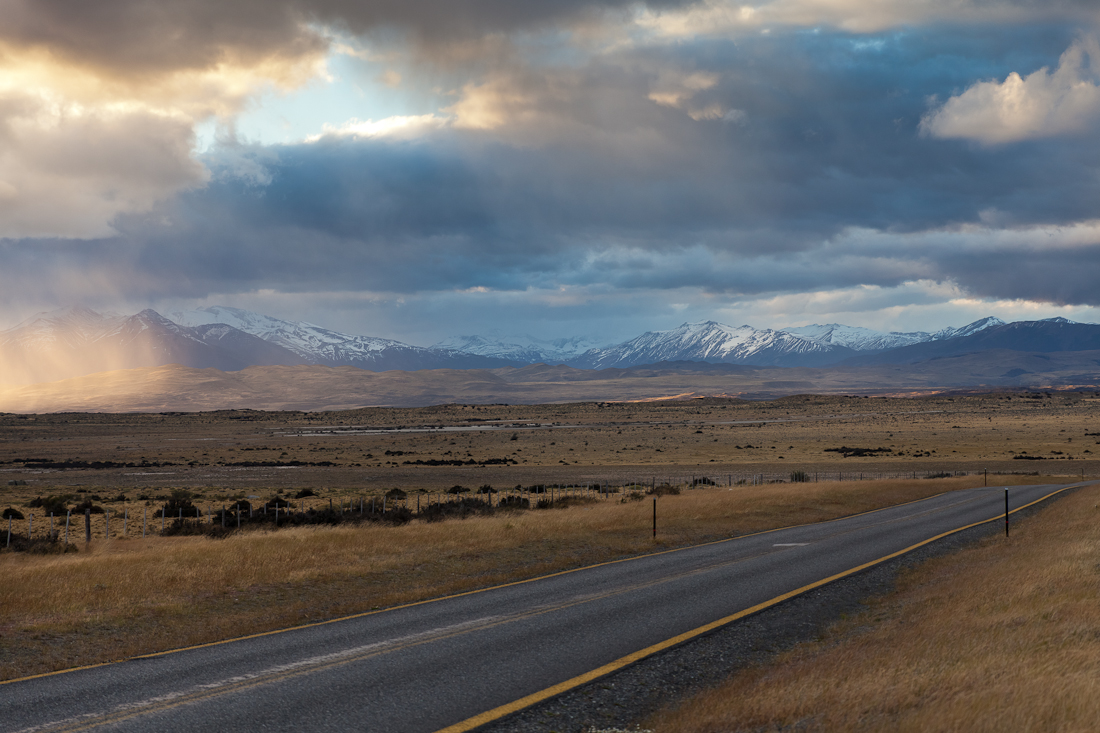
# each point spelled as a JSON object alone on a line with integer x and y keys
{"x": 857, "y": 337}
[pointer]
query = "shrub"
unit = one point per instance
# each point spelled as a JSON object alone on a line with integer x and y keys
{"x": 458, "y": 489}
{"x": 799, "y": 477}
{"x": 632, "y": 496}
{"x": 304, "y": 493}
{"x": 486, "y": 489}
{"x": 396, "y": 493}
{"x": 12, "y": 513}
{"x": 514, "y": 502}
{"x": 56, "y": 504}
{"x": 175, "y": 505}
{"x": 703, "y": 481}
{"x": 662, "y": 490}
{"x": 86, "y": 505}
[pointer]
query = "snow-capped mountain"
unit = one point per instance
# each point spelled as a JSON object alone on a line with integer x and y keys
{"x": 979, "y": 325}
{"x": 858, "y": 338}
{"x": 522, "y": 349}
{"x": 76, "y": 341}
{"x": 714, "y": 342}
{"x": 815, "y": 345}
{"x": 317, "y": 345}
{"x": 1049, "y": 335}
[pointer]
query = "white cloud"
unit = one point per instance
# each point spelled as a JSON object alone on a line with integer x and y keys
{"x": 400, "y": 126}
{"x": 70, "y": 169}
{"x": 1043, "y": 104}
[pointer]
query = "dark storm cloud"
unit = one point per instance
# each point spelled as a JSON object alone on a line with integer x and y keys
{"x": 143, "y": 37}
{"x": 797, "y": 140}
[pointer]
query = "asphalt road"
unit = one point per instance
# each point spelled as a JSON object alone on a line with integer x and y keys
{"x": 457, "y": 662}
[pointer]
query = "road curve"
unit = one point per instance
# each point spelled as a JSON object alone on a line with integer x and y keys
{"x": 459, "y": 662}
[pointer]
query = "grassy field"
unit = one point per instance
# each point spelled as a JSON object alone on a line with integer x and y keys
{"x": 125, "y": 597}
{"x": 130, "y": 464}
{"x": 997, "y": 637}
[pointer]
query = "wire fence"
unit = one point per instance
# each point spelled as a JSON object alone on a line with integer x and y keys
{"x": 62, "y": 528}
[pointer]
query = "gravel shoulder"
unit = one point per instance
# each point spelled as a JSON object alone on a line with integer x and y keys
{"x": 622, "y": 699}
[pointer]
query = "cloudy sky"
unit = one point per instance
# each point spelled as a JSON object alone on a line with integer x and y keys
{"x": 419, "y": 169}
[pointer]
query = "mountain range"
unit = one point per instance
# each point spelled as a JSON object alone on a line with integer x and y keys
{"x": 77, "y": 341}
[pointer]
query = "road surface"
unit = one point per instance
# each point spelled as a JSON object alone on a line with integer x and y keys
{"x": 456, "y": 663}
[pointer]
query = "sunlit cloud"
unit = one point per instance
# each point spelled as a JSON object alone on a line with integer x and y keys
{"x": 399, "y": 127}
{"x": 1042, "y": 104}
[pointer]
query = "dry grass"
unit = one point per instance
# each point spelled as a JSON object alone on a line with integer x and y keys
{"x": 1004, "y": 636}
{"x": 131, "y": 596}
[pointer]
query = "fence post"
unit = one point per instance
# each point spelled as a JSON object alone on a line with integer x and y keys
{"x": 30, "y": 527}
{"x": 107, "y": 515}
{"x": 9, "y": 530}
{"x": 87, "y": 526}
{"x": 125, "y": 519}
{"x": 144, "y": 521}
{"x": 68, "y": 514}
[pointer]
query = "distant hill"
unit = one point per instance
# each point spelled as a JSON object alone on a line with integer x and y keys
{"x": 76, "y": 341}
{"x": 1046, "y": 336}
{"x": 312, "y": 387}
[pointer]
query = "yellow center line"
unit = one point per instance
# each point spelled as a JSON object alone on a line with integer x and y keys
{"x": 216, "y": 689}
{"x": 364, "y": 614}
{"x": 499, "y": 712}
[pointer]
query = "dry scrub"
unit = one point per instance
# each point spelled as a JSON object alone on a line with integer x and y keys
{"x": 131, "y": 596}
{"x": 1004, "y": 636}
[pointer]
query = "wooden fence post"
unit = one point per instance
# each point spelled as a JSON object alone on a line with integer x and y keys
{"x": 87, "y": 526}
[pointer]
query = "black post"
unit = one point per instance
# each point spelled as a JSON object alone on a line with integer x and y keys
{"x": 1006, "y": 511}
{"x": 655, "y": 517}
{"x": 87, "y": 525}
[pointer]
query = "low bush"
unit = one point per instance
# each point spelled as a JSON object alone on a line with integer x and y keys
{"x": 514, "y": 502}
{"x": 87, "y": 505}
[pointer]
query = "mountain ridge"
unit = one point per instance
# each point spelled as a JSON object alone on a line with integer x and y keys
{"x": 76, "y": 340}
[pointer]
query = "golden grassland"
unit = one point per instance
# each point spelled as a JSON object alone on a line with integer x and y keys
{"x": 229, "y": 455}
{"x": 126, "y": 597}
{"x": 1000, "y": 636}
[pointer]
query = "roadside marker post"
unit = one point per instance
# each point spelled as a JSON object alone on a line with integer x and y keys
{"x": 1006, "y": 511}
{"x": 87, "y": 526}
{"x": 9, "y": 530}
{"x": 655, "y": 517}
